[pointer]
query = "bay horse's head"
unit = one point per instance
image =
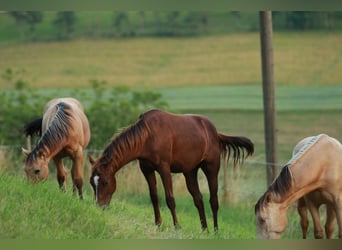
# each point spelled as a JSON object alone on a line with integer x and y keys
{"x": 103, "y": 181}
{"x": 271, "y": 220}
{"x": 36, "y": 165}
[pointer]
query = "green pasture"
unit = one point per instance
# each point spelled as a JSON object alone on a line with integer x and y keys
{"x": 301, "y": 59}
{"x": 217, "y": 76}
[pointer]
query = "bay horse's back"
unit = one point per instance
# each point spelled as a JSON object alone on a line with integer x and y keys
{"x": 196, "y": 135}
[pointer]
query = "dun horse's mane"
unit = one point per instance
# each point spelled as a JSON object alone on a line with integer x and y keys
{"x": 58, "y": 129}
{"x": 129, "y": 139}
{"x": 283, "y": 182}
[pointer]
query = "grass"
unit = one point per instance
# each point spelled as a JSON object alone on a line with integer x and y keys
{"x": 216, "y": 76}
{"x": 231, "y": 59}
{"x": 47, "y": 213}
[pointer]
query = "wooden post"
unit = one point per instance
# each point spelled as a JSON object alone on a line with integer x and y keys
{"x": 268, "y": 94}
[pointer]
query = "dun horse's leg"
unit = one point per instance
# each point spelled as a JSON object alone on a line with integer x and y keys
{"x": 152, "y": 185}
{"x": 165, "y": 175}
{"x": 303, "y": 214}
{"x": 211, "y": 175}
{"x": 61, "y": 173}
{"x": 329, "y": 224}
{"x": 192, "y": 185}
{"x": 318, "y": 230}
{"x": 338, "y": 211}
{"x": 76, "y": 172}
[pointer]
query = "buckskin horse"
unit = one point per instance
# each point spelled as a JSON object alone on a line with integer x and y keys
{"x": 316, "y": 166}
{"x": 64, "y": 131}
{"x": 163, "y": 142}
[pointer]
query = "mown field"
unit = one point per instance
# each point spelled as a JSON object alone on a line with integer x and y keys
{"x": 215, "y": 76}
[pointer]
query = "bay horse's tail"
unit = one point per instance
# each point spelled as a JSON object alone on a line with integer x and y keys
{"x": 34, "y": 127}
{"x": 241, "y": 146}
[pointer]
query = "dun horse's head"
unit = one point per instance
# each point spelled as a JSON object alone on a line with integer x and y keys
{"x": 36, "y": 165}
{"x": 103, "y": 181}
{"x": 271, "y": 220}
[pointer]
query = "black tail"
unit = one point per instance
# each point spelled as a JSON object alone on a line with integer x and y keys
{"x": 241, "y": 146}
{"x": 33, "y": 127}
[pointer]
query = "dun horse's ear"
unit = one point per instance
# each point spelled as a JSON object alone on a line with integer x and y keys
{"x": 268, "y": 197}
{"x": 91, "y": 159}
{"x": 26, "y": 151}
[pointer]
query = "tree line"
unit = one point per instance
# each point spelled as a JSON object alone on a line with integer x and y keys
{"x": 108, "y": 109}
{"x": 165, "y": 23}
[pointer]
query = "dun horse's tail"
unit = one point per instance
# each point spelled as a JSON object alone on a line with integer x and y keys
{"x": 33, "y": 127}
{"x": 241, "y": 147}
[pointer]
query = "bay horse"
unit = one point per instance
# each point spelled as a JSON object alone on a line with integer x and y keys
{"x": 312, "y": 202}
{"x": 169, "y": 143}
{"x": 317, "y": 166}
{"x": 65, "y": 132}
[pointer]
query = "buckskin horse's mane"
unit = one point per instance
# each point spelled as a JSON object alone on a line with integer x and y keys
{"x": 129, "y": 139}
{"x": 58, "y": 129}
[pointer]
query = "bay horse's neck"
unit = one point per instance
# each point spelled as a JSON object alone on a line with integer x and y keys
{"x": 120, "y": 159}
{"x": 126, "y": 147}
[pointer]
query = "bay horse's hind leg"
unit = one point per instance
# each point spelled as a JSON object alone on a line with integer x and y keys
{"x": 76, "y": 173}
{"x": 152, "y": 185}
{"x": 211, "y": 172}
{"x": 61, "y": 173}
{"x": 192, "y": 185}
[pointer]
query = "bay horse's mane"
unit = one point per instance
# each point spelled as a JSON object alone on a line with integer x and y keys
{"x": 131, "y": 138}
{"x": 58, "y": 129}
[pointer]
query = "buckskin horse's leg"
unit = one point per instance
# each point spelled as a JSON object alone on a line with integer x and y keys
{"x": 152, "y": 185}
{"x": 76, "y": 172}
{"x": 193, "y": 188}
{"x": 165, "y": 174}
{"x": 61, "y": 173}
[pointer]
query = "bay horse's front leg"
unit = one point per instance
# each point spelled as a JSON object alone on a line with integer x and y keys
{"x": 165, "y": 174}
{"x": 61, "y": 173}
{"x": 152, "y": 185}
{"x": 76, "y": 172}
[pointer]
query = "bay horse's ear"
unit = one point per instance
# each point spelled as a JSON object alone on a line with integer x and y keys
{"x": 26, "y": 151}
{"x": 91, "y": 159}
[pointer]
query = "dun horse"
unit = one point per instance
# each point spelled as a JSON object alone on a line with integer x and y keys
{"x": 165, "y": 143}
{"x": 64, "y": 131}
{"x": 317, "y": 166}
{"x": 312, "y": 201}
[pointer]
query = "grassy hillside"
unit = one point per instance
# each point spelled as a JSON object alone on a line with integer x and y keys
{"x": 47, "y": 213}
{"x": 303, "y": 59}
{"x": 216, "y": 76}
